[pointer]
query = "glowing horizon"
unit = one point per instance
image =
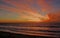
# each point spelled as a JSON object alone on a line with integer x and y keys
{"x": 28, "y": 10}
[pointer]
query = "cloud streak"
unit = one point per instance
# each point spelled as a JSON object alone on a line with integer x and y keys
{"x": 29, "y": 9}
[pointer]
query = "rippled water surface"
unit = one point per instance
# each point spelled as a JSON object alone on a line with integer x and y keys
{"x": 36, "y": 29}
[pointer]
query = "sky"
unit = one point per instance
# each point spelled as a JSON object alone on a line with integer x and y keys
{"x": 29, "y": 10}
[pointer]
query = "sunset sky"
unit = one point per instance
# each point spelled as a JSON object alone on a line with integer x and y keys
{"x": 29, "y": 10}
{"x": 30, "y": 17}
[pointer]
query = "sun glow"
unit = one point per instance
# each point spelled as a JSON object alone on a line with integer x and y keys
{"x": 35, "y": 17}
{"x": 39, "y": 19}
{"x": 29, "y": 16}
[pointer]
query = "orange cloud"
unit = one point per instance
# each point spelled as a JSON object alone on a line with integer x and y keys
{"x": 44, "y": 5}
{"x": 20, "y": 7}
{"x": 54, "y": 17}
